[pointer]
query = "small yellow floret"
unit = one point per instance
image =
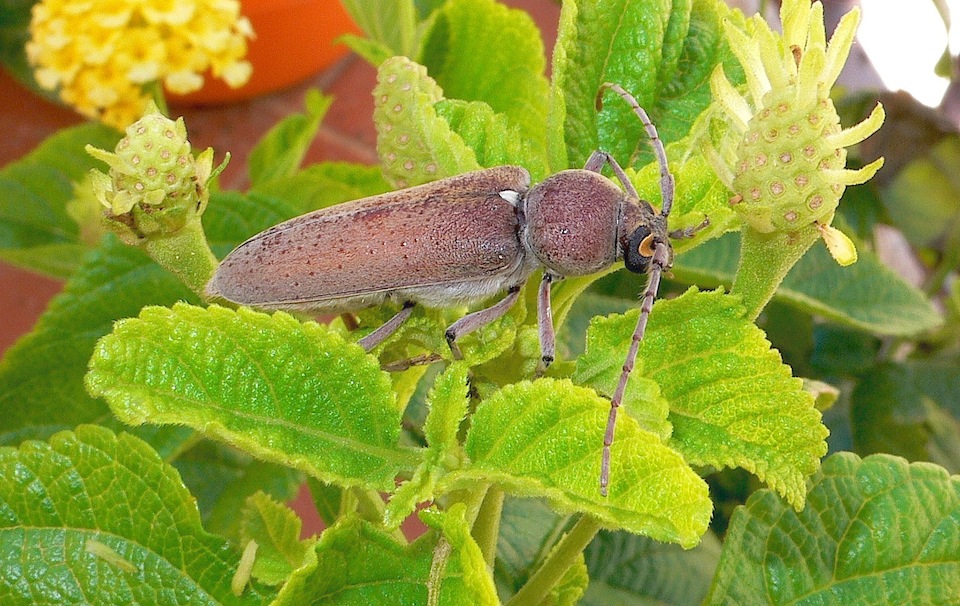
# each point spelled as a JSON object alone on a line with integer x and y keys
{"x": 99, "y": 54}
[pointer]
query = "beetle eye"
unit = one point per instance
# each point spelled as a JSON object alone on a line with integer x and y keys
{"x": 639, "y": 250}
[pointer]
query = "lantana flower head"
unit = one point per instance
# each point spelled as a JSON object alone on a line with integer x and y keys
{"x": 100, "y": 54}
{"x": 786, "y": 158}
{"x": 155, "y": 186}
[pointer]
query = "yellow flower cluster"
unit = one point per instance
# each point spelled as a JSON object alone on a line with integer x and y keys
{"x": 100, "y": 54}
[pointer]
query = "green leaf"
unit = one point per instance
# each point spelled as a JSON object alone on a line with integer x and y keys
{"x": 528, "y": 530}
{"x": 327, "y": 498}
{"x": 642, "y": 400}
{"x": 866, "y": 295}
{"x": 480, "y": 50}
{"x": 544, "y": 438}
{"x": 923, "y": 198}
{"x": 373, "y": 52}
{"x": 322, "y": 185}
{"x": 299, "y": 395}
{"x": 41, "y": 376}
{"x": 733, "y": 403}
{"x": 661, "y": 52}
{"x": 494, "y": 139}
{"x": 362, "y": 565}
{"x": 36, "y": 232}
{"x": 476, "y": 579}
{"x": 911, "y": 409}
{"x": 221, "y": 478}
{"x": 276, "y": 529}
{"x": 282, "y": 149}
{"x": 628, "y": 570}
{"x": 448, "y": 401}
{"x": 415, "y": 145}
{"x": 874, "y": 531}
{"x": 392, "y": 23}
{"x": 96, "y": 518}
{"x": 700, "y": 194}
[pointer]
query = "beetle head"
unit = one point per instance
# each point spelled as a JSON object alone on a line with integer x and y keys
{"x": 643, "y": 230}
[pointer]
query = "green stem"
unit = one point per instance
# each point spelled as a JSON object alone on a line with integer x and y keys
{"x": 765, "y": 260}
{"x": 186, "y": 254}
{"x": 487, "y": 527}
{"x": 561, "y": 558}
{"x": 155, "y": 90}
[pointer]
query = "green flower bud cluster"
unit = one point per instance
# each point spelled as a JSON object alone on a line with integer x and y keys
{"x": 783, "y": 159}
{"x": 155, "y": 186}
{"x": 785, "y": 155}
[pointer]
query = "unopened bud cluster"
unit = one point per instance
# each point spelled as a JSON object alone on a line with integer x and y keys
{"x": 785, "y": 160}
{"x": 155, "y": 186}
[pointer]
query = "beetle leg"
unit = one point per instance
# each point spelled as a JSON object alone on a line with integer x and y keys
{"x": 689, "y": 232}
{"x": 545, "y": 323}
{"x": 479, "y": 319}
{"x": 386, "y": 329}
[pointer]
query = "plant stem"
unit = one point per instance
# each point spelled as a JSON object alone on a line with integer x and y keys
{"x": 186, "y": 254}
{"x": 487, "y": 527}
{"x": 765, "y": 260}
{"x": 155, "y": 90}
{"x": 561, "y": 558}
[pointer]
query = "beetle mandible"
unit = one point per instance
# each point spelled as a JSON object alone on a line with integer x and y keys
{"x": 461, "y": 240}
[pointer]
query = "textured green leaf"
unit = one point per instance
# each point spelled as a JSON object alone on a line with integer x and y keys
{"x": 700, "y": 194}
{"x": 447, "y": 401}
{"x": 325, "y": 184}
{"x": 94, "y": 518}
{"x": 732, "y": 401}
{"x": 865, "y": 295}
{"x": 544, "y": 438}
{"x": 221, "y": 478}
{"x": 299, "y": 395}
{"x": 282, "y": 149}
{"x": 392, "y": 23}
{"x": 363, "y": 566}
{"x": 494, "y": 139}
{"x": 476, "y": 579}
{"x": 911, "y": 409}
{"x": 630, "y": 570}
{"x": 415, "y": 145}
{"x": 509, "y": 78}
{"x": 276, "y": 530}
{"x": 41, "y": 376}
{"x": 35, "y": 230}
{"x": 661, "y": 51}
{"x": 642, "y": 400}
{"x": 874, "y": 531}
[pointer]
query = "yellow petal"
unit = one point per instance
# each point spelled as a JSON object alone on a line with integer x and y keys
{"x": 840, "y": 246}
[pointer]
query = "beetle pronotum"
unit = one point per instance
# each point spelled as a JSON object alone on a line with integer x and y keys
{"x": 459, "y": 241}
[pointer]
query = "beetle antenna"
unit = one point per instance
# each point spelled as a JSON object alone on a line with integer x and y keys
{"x": 666, "y": 179}
{"x": 661, "y": 256}
{"x": 659, "y": 261}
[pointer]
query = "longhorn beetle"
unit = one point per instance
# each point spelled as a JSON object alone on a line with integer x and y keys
{"x": 459, "y": 241}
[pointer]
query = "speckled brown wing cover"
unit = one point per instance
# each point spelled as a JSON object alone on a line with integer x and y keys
{"x": 449, "y": 232}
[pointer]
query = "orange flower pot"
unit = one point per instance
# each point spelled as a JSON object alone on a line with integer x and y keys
{"x": 294, "y": 40}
